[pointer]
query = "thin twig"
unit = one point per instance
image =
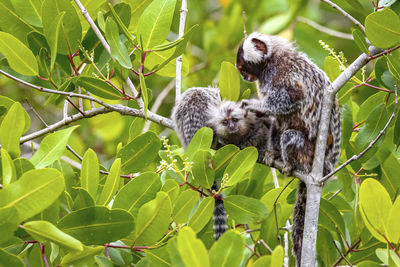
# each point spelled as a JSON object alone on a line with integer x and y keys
{"x": 65, "y": 109}
{"x": 178, "y": 76}
{"x": 387, "y": 51}
{"x": 325, "y": 29}
{"x": 341, "y": 254}
{"x": 244, "y": 24}
{"x": 265, "y": 245}
{"x": 355, "y": 244}
{"x": 344, "y": 13}
{"x": 371, "y": 144}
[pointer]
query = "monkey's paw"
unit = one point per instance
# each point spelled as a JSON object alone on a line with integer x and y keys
{"x": 270, "y": 157}
{"x": 287, "y": 169}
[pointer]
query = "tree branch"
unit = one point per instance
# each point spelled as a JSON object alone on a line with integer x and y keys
{"x": 324, "y": 29}
{"x": 344, "y": 13}
{"x": 371, "y": 144}
{"x": 103, "y": 41}
{"x": 178, "y": 75}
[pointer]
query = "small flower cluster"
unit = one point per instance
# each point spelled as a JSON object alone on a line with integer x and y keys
{"x": 339, "y": 57}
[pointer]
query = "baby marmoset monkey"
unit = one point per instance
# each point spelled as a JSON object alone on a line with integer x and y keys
{"x": 232, "y": 124}
{"x": 291, "y": 89}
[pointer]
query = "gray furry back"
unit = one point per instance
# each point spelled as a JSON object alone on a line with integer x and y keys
{"x": 192, "y": 110}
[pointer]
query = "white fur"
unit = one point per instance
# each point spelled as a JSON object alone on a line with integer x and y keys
{"x": 251, "y": 53}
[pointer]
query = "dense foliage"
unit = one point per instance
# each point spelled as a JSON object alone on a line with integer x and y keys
{"x": 124, "y": 192}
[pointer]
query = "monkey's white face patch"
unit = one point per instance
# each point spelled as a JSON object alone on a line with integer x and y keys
{"x": 250, "y": 51}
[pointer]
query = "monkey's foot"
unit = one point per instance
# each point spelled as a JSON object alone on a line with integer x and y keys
{"x": 287, "y": 169}
{"x": 270, "y": 157}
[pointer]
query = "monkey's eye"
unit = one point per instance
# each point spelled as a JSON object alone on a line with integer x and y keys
{"x": 235, "y": 119}
{"x": 225, "y": 122}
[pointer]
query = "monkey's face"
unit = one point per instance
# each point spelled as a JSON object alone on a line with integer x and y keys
{"x": 249, "y": 71}
{"x": 233, "y": 123}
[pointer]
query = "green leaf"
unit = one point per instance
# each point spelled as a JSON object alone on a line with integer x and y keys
{"x": 29, "y": 10}
{"x": 12, "y": 128}
{"x": 155, "y": 22}
{"x": 44, "y": 231}
{"x": 240, "y": 165}
{"x": 159, "y": 257}
{"x": 19, "y": 57}
{"x": 245, "y": 210}
{"x": 359, "y": 39}
{"x": 90, "y": 173}
{"x": 70, "y": 35}
{"x": 172, "y": 188}
{"x": 74, "y": 258}
{"x": 393, "y": 223}
{"x": 140, "y": 152}
{"x": 35, "y": 191}
{"x": 277, "y": 256}
{"x": 375, "y": 205}
{"x": 202, "y": 214}
{"x": 135, "y": 193}
{"x": 145, "y": 97}
{"x": 229, "y": 82}
{"x": 201, "y": 170}
{"x": 332, "y": 68}
{"x": 228, "y": 250}
{"x": 97, "y": 225}
{"x": 112, "y": 183}
{"x": 120, "y": 23}
{"x": 168, "y": 66}
{"x": 167, "y": 56}
{"x": 373, "y": 125}
{"x": 12, "y": 23}
{"x": 82, "y": 199}
{"x": 22, "y": 165}
{"x": 7, "y": 167}
{"x": 136, "y": 127}
{"x": 8, "y": 223}
{"x": 153, "y": 220}
{"x": 383, "y": 28}
{"x": 393, "y": 62}
{"x": 51, "y": 148}
{"x": 202, "y": 140}
{"x": 98, "y": 87}
{"x": 332, "y": 214}
{"x": 118, "y": 49}
{"x": 9, "y": 259}
{"x": 184, "y": 205}
{"x": 390, "y": 168}
{"x": 7, "y": 103}
{"x": 191, "y": 249}
{"x": 222, "y": 157}
{"x": 53, "y": 32}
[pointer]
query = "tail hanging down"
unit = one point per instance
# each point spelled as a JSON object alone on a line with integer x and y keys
{"x": 220, "y": 217}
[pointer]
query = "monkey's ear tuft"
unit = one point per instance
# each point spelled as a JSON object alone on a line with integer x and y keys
{"x": 256, "y": 47}
{"x": 260, "y": 45}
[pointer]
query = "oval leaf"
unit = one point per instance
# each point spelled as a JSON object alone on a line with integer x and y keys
{"x": 35, "y": 191}
{"x": 229, "y": 82}
{"x": 12, "y": 128}
{"x": 140, "y": 190}
{"x": 90, "y": 173}
{"x": 9, "y": 259}
{"x": 228, "y": 250}
{"x": 51, "y": 148}
{"x": 153, "y": 220}
{"x": 240, "y": 164}
{"x": 383, "y": 28}
{"x": 9, "y": 174}
{"x": 98, "y": 87}
{"x": 45, "y": 231}
{"x": 191, "y": 249}
{"x": 201, "y": 170}
{"x": 117, "y": 47}
{"x": 112, "y": 183}
{"x": 202, "y": 214}
{"x": 140, "y": 152}
{"x": 375, "y": 205}
{"x": 97, "y": 225}
{"x": 155, "y": 22}
{"x": 359, "y": 39}
{"x": 201, "y": 140}
{"x": 245, "y": 209}
{"x": 19, "y": 57}
{"x": 184, "y": 205}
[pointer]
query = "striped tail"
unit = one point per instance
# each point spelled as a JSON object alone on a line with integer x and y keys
{"x": 220, "y": 217}
{"x": 333, "y": 151}
{"x": 299, "y": 212}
